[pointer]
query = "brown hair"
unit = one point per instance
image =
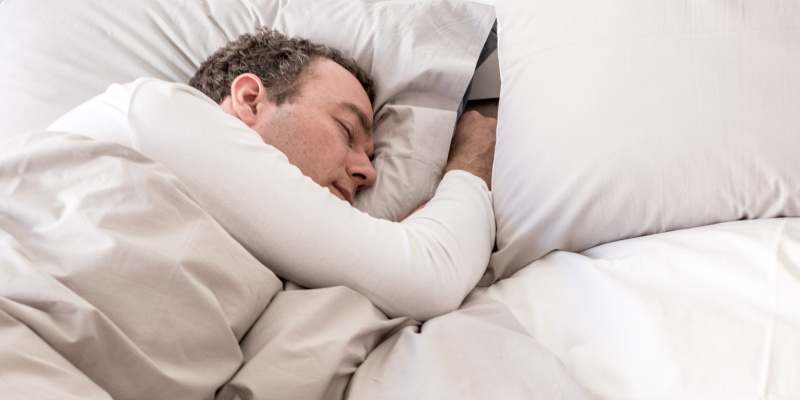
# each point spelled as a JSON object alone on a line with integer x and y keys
{"x": 278, "y": 60}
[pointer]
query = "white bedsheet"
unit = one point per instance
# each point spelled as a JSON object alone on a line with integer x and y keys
{"x": 705, "y": 313}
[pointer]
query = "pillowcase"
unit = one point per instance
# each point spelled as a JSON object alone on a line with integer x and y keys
{"x": 620, "y": 119}
{"x": 422, "y": 54}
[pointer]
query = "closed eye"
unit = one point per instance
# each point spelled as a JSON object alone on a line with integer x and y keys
{"x": 351, "y": 136}
{"x": 348, "y": 133}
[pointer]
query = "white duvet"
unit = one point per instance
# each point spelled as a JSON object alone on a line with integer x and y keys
{"x": 704, "y": 313}
{"x": 115, "y": 283}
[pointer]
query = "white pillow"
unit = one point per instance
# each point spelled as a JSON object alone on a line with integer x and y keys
{"x": 620, "y": 119}
{"x": 56, "y": 55}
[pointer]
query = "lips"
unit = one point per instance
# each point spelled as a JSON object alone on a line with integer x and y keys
{"x": 346, "y": 195}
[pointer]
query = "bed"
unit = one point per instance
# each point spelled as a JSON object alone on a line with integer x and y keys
{"x": 645, "y": 190}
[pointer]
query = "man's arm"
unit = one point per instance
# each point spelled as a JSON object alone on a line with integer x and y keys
{"x": 472, "y": 148}
{"x": 422, "y": 267}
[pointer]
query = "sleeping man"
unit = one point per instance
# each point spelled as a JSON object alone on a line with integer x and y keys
{"x": 274, "y": 139}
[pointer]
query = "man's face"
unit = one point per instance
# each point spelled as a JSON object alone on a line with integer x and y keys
{"x": 326, "y": 131}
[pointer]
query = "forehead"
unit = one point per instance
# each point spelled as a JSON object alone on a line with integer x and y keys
{"x": 328, "y": 82}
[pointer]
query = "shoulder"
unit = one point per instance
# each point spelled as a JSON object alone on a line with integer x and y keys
{"x": 158, "y": 89}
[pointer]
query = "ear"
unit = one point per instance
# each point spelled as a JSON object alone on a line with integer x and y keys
{"x": 248, "y": 98}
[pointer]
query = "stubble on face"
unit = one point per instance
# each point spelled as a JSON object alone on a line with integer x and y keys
{"x": 309, "y": 129}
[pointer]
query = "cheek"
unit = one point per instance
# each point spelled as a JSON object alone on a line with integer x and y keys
{"x": 331, "y": 157}
{"x": 329, "y": 144}
{"x": 317, "y": 147}
{"x": 321, "y": 154}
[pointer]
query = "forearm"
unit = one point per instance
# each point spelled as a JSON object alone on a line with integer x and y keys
{"x": 458, "y": 224}
{"x": 422, "y": 267}
{"x": 472, "y": 147}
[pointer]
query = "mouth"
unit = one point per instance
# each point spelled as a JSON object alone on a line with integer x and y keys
{"x": 344, "y": 194}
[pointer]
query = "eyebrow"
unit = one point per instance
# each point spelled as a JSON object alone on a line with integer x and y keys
{"x": 363, "y": 118}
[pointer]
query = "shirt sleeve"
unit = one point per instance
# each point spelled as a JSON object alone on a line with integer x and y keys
{"x": 421, "y": 267}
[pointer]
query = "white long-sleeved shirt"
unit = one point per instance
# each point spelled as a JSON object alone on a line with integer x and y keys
{"x": 421, "y": 267}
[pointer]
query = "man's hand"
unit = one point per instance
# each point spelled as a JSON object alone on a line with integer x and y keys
{"x": 472, "y": 148}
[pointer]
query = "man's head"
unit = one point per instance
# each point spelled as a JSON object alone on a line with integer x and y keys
{"x": 278, "y": 60}
{"x": 305, "y": 99}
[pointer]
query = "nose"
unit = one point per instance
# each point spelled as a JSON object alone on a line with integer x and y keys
{"x": 362, "y": 172}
